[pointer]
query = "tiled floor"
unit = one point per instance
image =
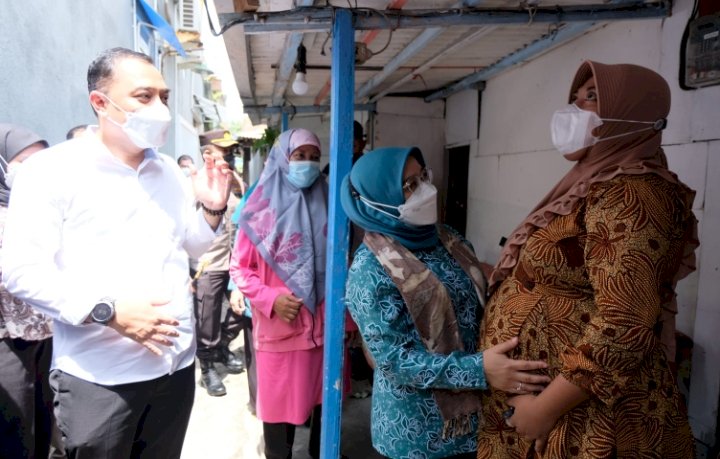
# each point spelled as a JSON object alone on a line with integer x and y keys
{"x": 223, "y": 428}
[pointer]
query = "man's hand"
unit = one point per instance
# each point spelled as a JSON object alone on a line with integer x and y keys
{"x": 287, "y": 307}
{"x": 211, "y": 183}
{"x": 513, "y": 376}
{"x": 237, "y": 302}
{"x": 142, "y": 322}
{"x": 531, "y": 421}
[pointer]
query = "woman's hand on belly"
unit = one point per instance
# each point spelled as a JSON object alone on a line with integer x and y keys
{"x": 531, "y": 422}
{"x": 512, "y": 376}
{"x": 535, "y": 416}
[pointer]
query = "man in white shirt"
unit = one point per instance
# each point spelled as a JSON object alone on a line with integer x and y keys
{"x": 98, "y": 235}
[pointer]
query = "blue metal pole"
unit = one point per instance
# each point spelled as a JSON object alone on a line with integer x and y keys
{"x": 285, "y": 123}
{"x": 341, "y": 128}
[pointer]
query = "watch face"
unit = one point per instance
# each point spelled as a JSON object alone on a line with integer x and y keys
{"x": 102, "y": 312}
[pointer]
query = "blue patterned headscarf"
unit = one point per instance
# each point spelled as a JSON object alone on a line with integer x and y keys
{"x": 288, "y": 225}
{"x": 377, "y": 176}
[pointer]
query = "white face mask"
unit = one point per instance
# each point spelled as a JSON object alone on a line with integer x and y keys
{"x": 571, "y": 128}
{"x": 146, "y": 127}
{"x": 420, "y": 209}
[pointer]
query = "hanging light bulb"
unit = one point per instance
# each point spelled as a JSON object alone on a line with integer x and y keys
{"x": 300, "y": 86}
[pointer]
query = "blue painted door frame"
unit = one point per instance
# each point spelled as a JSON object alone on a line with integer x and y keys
{"x": 341, "y": 128}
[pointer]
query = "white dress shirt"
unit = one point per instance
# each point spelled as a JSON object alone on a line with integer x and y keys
{"x": 83, "y": 226}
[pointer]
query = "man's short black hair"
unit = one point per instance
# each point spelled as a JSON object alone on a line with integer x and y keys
{"x": 74, "y": 131}
{"x": 101, "y": 69}
{"x": 183, "y": 158}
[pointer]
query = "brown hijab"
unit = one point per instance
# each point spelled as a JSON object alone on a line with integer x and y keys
{"x": 627, "y": 92}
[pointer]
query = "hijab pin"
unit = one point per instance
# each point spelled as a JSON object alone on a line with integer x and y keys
{"x": 660, "y": 124}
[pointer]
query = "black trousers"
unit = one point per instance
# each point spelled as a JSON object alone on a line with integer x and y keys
{"x": 214, "y": 331}
{"x": 25, "y": 398}
{"x": 279, "y": 437}
{"x": 250, "y": 367}
{"x": 144, "y": 419}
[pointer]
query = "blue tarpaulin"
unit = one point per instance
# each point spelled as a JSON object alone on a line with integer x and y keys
{"x": 162, "y": 26}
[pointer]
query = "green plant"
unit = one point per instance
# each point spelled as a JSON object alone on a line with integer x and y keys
{"x": 267, "y": 140}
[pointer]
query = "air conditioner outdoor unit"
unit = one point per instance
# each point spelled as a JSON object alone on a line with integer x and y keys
{"x": 189, "y": 16}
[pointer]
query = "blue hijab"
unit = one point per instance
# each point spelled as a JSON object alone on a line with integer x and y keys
{"x": 377, "y": 176}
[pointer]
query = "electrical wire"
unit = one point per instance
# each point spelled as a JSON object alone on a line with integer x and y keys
{"x": 531, "y": 9}
{"x": 209, "y": 18}
{"x": 322, "y": 48}
{"x": 390, "y": 34}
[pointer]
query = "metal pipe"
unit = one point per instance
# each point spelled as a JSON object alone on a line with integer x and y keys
{"x": 341, "y": 128}
{"x": 318, "y": 19}
{"x": 285, "y": 122}
{"x": 135, "y": 26}
{"x": 414, "y": 47}
{"x": 367, "y": 38}
{"x": 542, "y": 45}
{"x": 467, "y": 38}
{"x": 292, "y": 110}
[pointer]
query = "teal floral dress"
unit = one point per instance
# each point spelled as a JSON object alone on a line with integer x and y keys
{"x": 406, "y": 422}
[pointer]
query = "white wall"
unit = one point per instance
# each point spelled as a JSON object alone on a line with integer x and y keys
{"x": 398, "y": 121}
{"x": 185, "y": 83}
{"x": 320, "y": 125}
{"x": 409, "y": 121}
{"x": 461, "y": 118}
{"x": 513, "y": 165}
{"x": 47, "y": 46}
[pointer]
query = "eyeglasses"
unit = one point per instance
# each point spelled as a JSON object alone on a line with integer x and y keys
{"x": 412, "y": 183}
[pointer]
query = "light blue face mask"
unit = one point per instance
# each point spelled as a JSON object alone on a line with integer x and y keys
{"x": 302, "y": 174}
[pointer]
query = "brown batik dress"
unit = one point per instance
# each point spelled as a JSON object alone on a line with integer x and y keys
{"x": 586, "y": 296}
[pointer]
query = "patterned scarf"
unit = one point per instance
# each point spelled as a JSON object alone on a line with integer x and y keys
{"x": 432, "y": 312}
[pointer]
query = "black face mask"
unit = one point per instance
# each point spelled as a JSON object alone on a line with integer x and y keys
{"x": 230, "y": 159}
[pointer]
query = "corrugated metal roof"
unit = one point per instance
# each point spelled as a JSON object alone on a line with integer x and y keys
{"x": 256, "y": 57}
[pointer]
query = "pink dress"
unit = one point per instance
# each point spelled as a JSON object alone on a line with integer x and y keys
{"x": 289, "y": 356}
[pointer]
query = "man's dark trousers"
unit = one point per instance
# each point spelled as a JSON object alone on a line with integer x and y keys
{"x": 146, "y": 419}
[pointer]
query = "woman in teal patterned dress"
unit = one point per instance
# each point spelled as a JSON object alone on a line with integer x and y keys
{"x": 414, "y": 290}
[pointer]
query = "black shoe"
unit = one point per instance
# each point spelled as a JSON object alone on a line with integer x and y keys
{"x": 232, "y": 362}
{"x": 210, "y": 379}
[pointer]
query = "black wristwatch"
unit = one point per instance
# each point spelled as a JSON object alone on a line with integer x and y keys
{"x": 103, "y": 312}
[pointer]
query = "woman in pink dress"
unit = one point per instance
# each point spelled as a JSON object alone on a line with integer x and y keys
{"x": 278, "y": 264}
